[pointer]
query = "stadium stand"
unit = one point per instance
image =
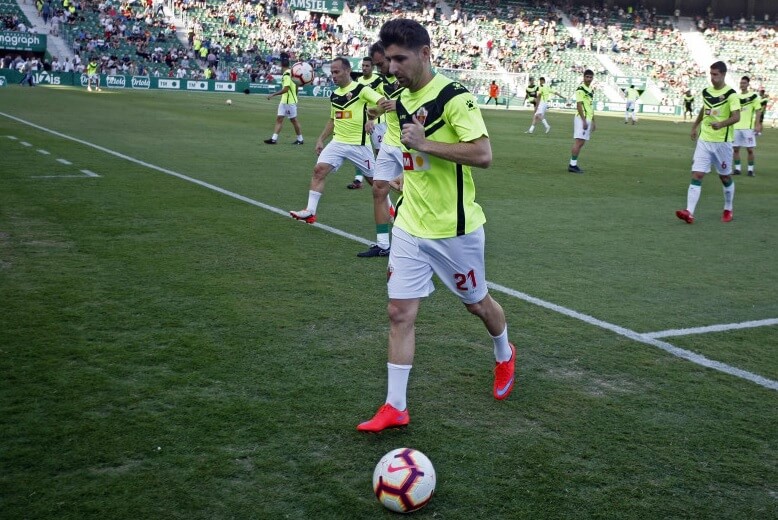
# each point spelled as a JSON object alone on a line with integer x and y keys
{"x": 476, "y": 41}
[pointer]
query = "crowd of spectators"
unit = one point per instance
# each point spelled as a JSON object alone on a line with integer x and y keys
{"x": 239, "y": 39}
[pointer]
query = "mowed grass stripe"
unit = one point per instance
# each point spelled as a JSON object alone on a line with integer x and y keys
{"x": 667, "y": 347}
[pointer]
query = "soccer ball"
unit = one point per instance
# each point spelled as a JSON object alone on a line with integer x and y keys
{"x": 404, "y": 480}
{"x": 302, "y": 73}
{"x": 229, "y": 102}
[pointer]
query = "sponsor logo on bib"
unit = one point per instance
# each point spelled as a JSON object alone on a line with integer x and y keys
{"x": 415, "y": 161}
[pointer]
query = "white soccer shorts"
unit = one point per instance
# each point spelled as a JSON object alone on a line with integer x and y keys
{"x": 542, "y": 107}
{"x": 389, "y": 163}
{"x": 578, "y": 129}
{"x": 745, "y": 138}
{"x": 361, "y": 155}
{"x": 458, "y": 262}
{"x": 287, "y": 110}
{"x": 707, "y": 154}
{"x": 630, "y": 106}
{"x": 377, "y": 137}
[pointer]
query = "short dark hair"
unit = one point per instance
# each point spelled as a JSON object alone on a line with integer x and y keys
{"x": 377, "y": 48}
{"x": 746, "y": 78}
{"x": 367, "y": 58}
{"x": 588, "y": 72}
{"x": 404, "y": 33}
{"x": 343, "y": 61}
{"x": 720, "y": 66}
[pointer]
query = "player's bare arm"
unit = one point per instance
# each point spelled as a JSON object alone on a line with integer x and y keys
{"x": 582, "y": 114}
{"x": 279, "y": 93}
{"x": 325, "y": 134}
{"x": 474, "y": 153}
{"x": 696, "y": 125}
{"x": 733, "y": 118}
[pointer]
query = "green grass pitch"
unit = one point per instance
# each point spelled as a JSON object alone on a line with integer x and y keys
{"x": 170, "y": 350}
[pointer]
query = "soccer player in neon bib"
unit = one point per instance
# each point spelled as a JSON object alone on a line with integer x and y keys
{"x": 439, "y": 226}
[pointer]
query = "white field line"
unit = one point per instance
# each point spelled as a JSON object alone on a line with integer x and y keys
{"x": 89, "y": 173}
{"x": 721, "y": 327}
{"x": 62, "y": 176}
{"x": 25, "y": 143}
{"x": 43, "y": 152}
{"x": 64, "y": 161}
{"x": 630, "y": 334}
{"x": 641, "y": 338}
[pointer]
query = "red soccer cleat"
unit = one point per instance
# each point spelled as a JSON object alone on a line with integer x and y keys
{"x": 504, "y": 376}
{"x": 726, "y": 216}
{"x": 304, "y": 215}
{"x": 387, "y": 417}
{"x": 684, "y": 215}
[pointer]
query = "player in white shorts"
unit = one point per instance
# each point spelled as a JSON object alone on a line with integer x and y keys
{"x": 579, "y": 132}
{"x": 543, "y": 96}
{"x": 347, "y": 127}
{"x": 707, "y": 154}
{"x": 360, "y": 154}
{"x": 748, "y": 127}
{"x": 389, "y": 162}
{"x": 713, "y": 132}
{"x": 414, "y": 260}
{"x": 745, "y": 137}
{"x": 287, "y": 108}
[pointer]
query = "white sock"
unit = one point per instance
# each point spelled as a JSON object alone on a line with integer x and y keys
{"x": 300, "y": 137}
{"x": 692, "y": 197}
{"x": 313, "y": 201}
{"x": 545, "y": 123}
{"x": 397, "y": 385}
{"x": 359, "y": 177}
{"x": 531, "y": 128}
{"x": 275, "y": 137}
{"x": 573, "y": 162}
{"x": 382, "y": 240}
{"x": 729, "y": 196}
{"x": 502, "y": 350}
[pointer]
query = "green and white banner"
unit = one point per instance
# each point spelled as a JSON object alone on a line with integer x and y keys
{"x": 22, "y": 41}
{"x": 318, "y": 6}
